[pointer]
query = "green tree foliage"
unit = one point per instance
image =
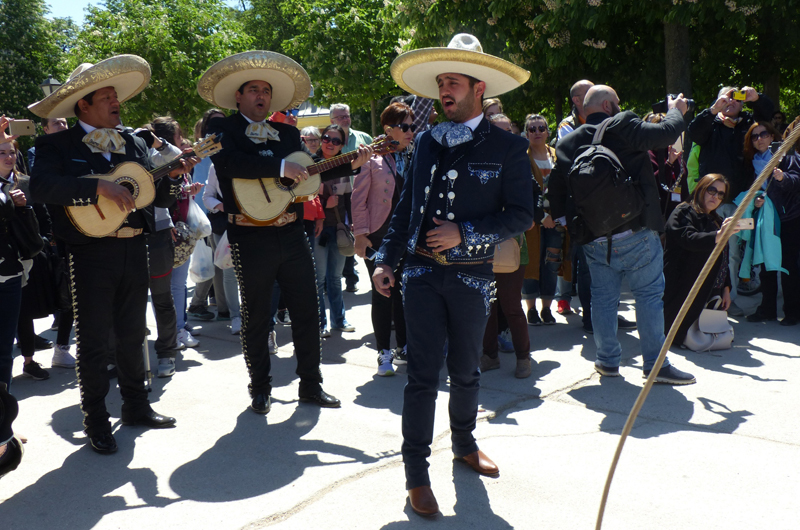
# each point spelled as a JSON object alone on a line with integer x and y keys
{"x": 180, "y": 39}
{"x": 29, "y": 52}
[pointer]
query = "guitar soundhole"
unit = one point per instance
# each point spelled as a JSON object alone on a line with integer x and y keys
{"x": 285, "y": 184}
{"x": 130, "y": 184}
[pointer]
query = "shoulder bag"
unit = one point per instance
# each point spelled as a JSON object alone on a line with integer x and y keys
{"x": 711, "y": 331}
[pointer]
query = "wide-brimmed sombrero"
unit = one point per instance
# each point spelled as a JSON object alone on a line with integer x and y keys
{"x": 290, "y": 82}
{"x": 128, "y": 74}
{"x": 415, "y": 71}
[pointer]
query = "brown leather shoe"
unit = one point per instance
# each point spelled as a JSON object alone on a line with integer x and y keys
{"x": 480, "y": 463}
{"x": 422, "y": 501}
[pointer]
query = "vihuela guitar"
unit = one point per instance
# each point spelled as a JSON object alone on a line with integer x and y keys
{"x": 105, "y": 217}
{"x": 263, "y": 200}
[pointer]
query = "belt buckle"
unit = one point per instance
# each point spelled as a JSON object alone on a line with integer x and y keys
{"x": 440, "y": 258}
{"x": 126, "y": 232}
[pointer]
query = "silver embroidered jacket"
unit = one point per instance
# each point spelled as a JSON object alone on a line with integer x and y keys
{"x": 486, "y": 188}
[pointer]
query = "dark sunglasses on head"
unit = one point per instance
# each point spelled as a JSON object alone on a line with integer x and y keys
{"x": 714, "y": 192}
{"x": 533, "y": 128}
{"x": 334, "y": 141}
{"x": 764, "y": 134}
{"x": 405, "y": 127}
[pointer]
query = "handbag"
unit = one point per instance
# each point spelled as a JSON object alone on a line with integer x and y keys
{"x": 24, "y": 230}
{"x": 184, "y": 243}
{"x": 711, "y": 331}
{"x": 344, "y": 237}
{"x": 506, "y": 256}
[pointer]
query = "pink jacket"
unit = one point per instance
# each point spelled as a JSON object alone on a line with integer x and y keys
{"x": 373, "y": 187}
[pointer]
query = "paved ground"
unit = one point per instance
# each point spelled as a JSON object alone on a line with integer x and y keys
{"x": 723, "y": 453}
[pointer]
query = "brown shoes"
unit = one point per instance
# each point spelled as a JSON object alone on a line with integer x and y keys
{"x": 480, "y": 463}
{"x": 523, "y": 368}
{"x": 487, "y": 363}
{"x": 422, "y": 501}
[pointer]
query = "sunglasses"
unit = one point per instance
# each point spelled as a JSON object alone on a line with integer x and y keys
{"x": 405, "y": 127}
{"x": 714, "y": 192}
{"x": 293, "y": 112}
{"x": 764, "y": 134}
{"x": 534, "y": 128}
{"x": 334, "y": 141}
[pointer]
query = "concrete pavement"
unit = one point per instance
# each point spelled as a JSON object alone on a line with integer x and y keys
{"x": 724, "y": 453}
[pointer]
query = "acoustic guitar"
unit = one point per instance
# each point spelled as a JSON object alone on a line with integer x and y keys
{"x": 104, "y": 217}
{"x": 263, "y": 200}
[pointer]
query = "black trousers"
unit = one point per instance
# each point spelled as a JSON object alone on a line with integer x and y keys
{"x": 261, "y": 256}
{"x": 161, "y": 259}
{"x": 109, "y": 292}
{"x": 384, "y": 310}
{"x": 790, "y": 252}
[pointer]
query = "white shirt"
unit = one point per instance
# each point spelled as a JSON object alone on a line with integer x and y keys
{"x": 212, "y": 191}
{"x": 473, "y": 123}
{"x": 283, "y": 162}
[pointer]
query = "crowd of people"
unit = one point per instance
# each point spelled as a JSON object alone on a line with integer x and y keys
{"x": 457, "y": 227}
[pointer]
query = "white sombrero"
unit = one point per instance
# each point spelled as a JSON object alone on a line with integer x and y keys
{"x": 128, "y": 74}
{"x": 290, "y": 82}
{"x": 415, "y": 71}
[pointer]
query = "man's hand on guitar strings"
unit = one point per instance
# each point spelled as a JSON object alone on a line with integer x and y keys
{"x": 117, "y": 194}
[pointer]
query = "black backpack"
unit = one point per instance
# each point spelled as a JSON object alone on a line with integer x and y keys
{"x": 605, "y": 196}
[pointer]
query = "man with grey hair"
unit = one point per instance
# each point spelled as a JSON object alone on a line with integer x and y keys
{"x": 578, "y": 116}
{"x": 633, "y": 251}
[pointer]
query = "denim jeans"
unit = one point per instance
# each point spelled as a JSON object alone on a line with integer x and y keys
{"x": 639, "y": 258}
{"x": 179, "y": 276}
{"x": 329, "y": 263}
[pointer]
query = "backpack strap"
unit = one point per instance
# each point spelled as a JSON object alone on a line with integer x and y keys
{"x": 601, "y": 130}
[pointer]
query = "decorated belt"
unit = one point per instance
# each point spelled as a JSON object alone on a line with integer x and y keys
{"x": 283, "y": 219}
{"x": 126, "y": 232}
{"x": 441, "y": 259}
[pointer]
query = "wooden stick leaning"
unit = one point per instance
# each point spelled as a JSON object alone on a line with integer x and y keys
{"x": 787, "y": 145}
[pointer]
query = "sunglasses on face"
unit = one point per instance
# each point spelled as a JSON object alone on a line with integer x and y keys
{"x": 534, "y": 128}
{"x": 292, "y": 112}
{"x": 764, "y": 134}
{"x": 714, "y": 192}
{"x": 405, "y": 127}
{"x": 334, "y": 141}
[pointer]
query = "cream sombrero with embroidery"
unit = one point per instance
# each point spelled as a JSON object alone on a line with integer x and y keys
{"x": 290, "y": 82}
{"x": 128, "y": 74}
{"x": 415, "y": 71}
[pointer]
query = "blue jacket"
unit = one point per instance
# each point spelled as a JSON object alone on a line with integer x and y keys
{"x": 493, "y": 194}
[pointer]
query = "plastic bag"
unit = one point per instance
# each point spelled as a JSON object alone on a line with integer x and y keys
{"x": 202, "y": 266}
{"x": 222, "y": 256}
{"x": 198, "y": 221}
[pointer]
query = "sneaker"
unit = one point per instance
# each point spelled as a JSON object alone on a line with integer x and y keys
{"x": 533, "y": 317}
{"x": 41, "y": 343}
{"x": 385, "y": 367}
{"x": 62, "y": 357}
{"x": 236, "y": 325}
{"x": 283, "y": 317}
{"x": 748, "y": 288}
{"x": 671, "y": 376}
{"x": 200, "y": 313}
{"x": 735, "y": 311}
{"x": 523, "y": 368}
{"x": 504, "y": 342}
{"x": 564, "y": 308}
{"x": 789, "y": 321}
{"x": 223, "y": 316}
{"x": 35, "y": 371}
{"x": 608, "y": 371}
{"x": 186, "y": 338}
{"x": 625, "y": 324}
{"x": 324, "y": 332}
{"x": 166, "y": 367}
{"x": 345, "y": 327}
{"x": 272, "y": 342}
{"x": 547, "y": 317}
{"x": 191, "y": 329}
{"x": 758, "y": 316}
{"x": 487, "y": 363}
{"x": 400, "y": 356}
{"x": 351, "y": 288}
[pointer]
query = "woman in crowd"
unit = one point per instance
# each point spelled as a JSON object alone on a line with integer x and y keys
{"x": 781, "y": 189}
{"x": 376, "y": 191}
{"x": 11, "y": 199}
{"x": 672, "y": 188}
{"x": 545, "y": 242}
{"x": 693, "y": 230}
{"x": 311, "y": 139}
{"x": 335, "y": 198}
{"x": 491, "y": 107}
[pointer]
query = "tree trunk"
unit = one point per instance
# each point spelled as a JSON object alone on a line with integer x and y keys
{"x": 677, "y": 59}
{"x": 374, "y": 114}
{"x": 769, "y": 55}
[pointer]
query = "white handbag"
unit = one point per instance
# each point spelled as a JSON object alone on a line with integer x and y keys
{"x": 711, "y": 331}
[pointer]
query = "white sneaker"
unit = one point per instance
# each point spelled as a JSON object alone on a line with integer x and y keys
{"x": 62, "y": 357}
{"x": 385, "y": 367}
{"x": 272, "y": 342}
{"x": 166, "y": 367}
{"x": 324, "y": 332}
{"x": 186, "y": 338}
{"x": 236, "y": 325}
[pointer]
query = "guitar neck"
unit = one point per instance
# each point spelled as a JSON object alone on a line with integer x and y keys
{"x": 331, "y": 163}
{"x": 167, "y": 168}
